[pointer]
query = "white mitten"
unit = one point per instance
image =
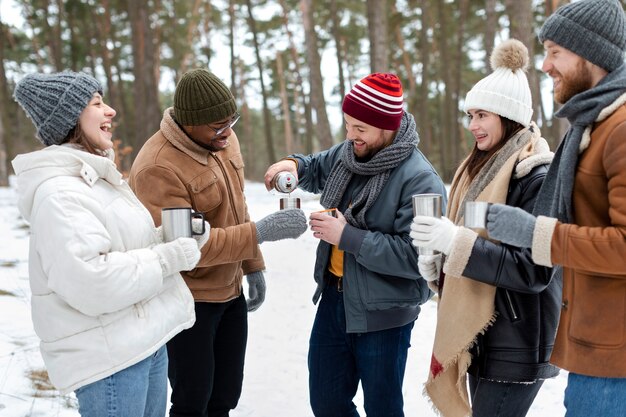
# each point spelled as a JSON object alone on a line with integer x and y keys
{"x": 181, "y": 254}
{"x": 196, "y": 226}
{"x": 429, "y": 266}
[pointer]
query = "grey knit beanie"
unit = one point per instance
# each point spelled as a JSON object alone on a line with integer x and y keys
{"x": 201, "y": 98}
{"x": 55, "y": 101}
{"x": 592, "y": 29}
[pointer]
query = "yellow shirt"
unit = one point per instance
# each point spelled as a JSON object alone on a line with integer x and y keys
{"x": 336, "y": 262}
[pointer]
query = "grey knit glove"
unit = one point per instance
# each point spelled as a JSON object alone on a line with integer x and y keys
{"x": 511, "y": 225}
{"x": 283, "y": 224}
{"x": 181, "y": 254}
{"x": 256, "y": 290}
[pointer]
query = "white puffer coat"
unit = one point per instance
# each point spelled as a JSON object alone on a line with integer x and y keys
{"x": 100, "y": 302}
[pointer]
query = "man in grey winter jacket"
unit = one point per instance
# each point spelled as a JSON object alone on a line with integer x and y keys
{"x": 366, "y": 267}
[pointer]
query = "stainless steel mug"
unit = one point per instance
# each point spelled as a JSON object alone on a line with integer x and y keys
{"x": 289, "y": 203}
{"x": 475, "y": 216}
{"x": 176, "y": 222}
{"x": 427, "y": 205}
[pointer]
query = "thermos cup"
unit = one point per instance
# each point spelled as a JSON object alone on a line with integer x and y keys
{"x": 427, "y": 205}
{"x": 176, "y": 222}
{"x": 289, "y": 203}
{"x": 475, "y": 216}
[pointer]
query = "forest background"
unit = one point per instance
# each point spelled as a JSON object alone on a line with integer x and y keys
{"x": 289, "y": 63}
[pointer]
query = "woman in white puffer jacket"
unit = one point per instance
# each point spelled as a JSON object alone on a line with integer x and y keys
{"x": 106, "y": 292}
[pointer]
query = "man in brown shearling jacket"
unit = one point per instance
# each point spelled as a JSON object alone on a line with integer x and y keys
{"x": 581, "y": 207}
{"x": 194, "y": 161}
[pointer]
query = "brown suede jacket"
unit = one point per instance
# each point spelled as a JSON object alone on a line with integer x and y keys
{"x": 172, "y": 171}
{"x": 591, "y": 338}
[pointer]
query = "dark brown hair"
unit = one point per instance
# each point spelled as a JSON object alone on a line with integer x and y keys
{"x": 77, "y": 136}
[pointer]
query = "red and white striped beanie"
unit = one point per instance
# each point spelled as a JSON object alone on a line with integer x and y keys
{"x": 376, "y": 100}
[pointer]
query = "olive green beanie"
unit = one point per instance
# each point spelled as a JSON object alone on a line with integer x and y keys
{"x": 201, "y": 98}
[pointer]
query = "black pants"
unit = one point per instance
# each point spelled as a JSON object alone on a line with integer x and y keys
{"x": 206, "y": 361}
{"x": 501, "y": 399}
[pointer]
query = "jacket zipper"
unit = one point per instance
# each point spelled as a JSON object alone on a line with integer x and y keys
{"x": 514, "y": 315}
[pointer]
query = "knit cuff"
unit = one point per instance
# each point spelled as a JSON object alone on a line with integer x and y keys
{"x": 461, "y": 251}
{"x": 542, "y": 240}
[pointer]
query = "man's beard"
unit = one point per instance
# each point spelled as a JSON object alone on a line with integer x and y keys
{"x": 578, "y": 81}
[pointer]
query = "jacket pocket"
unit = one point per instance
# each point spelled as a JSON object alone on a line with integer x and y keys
{"x": 237, "y": 163}
{"x": 381, "y": 292}
{"x": 598, "y": 310}
{"x": 205, "y": 192}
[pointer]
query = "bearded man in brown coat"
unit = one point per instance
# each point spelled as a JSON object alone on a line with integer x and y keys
{"x": 580, "y": 226}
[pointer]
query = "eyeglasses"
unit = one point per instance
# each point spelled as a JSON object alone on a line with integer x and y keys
{"x": 227, "y": 126}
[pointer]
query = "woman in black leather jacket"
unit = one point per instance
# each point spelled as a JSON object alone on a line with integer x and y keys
{"x": 496, "y": 318}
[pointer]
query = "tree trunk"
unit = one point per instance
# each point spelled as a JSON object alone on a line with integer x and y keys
{"x": 336, "y": 24}
{"x": 459, "y": 147}
{"x": 148, "y": 113}
{"x": 280, "y": 71}
{"x": 231, "y": 46}
{"x": 446, "y": 102}
{"x": 424, "y": 120}
{"x": 4, "y": 115}
{"x": 299, "y": 99}
{"x": 54, "y": 35}
{"x": 269, "y": 140}
{"x": 406, "y": 58}
{"x": 192, "y": 28}
{"x": 316, "y": 82}
{"x": 377, "y": 30}
{"x": 491, "y": 26}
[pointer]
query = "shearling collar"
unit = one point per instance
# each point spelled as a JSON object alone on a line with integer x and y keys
{"x": 180, "y": 140}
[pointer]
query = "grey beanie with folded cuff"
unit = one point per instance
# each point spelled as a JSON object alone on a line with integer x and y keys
{"x": 55, "y": 101}
{"x": 592, "y": 29}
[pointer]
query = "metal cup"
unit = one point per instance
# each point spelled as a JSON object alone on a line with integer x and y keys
{"x": 176, "y": 222}
{"x": 289, "y": 203}
{"x": 475, "y": 216}
{"x": 427, "y": 205}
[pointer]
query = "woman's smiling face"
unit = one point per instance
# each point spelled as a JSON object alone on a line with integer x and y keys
{"x": 486, "y": 128}
{"x": 95, "y": 122}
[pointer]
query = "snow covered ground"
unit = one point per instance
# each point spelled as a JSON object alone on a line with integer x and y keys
{"x": 276, "y": 373}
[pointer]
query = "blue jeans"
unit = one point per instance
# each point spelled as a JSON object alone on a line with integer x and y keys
{"x": 501, "y": 399}
{"x": 590, "y": 396}
{"x": 139, "y": 390}
{"x": 339, "y": 360}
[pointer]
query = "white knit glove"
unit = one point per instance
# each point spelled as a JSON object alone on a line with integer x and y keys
{"x": 181, "y": 254}
{"x": 436, "y": 233}
{"x": 429, "y": 266}
{"x": 196, "y": 226}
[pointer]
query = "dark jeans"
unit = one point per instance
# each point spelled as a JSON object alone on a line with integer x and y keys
{"x": 206, "y": 361}
{"x": 501, "y": 399}
{"x": 339, "y": 360}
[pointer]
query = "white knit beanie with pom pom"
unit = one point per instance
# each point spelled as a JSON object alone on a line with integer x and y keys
{"x": 505, "y": 91}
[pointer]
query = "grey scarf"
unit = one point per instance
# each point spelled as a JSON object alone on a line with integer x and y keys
{"x": 582, "y": 110}
{"x": 377, "y": 168}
